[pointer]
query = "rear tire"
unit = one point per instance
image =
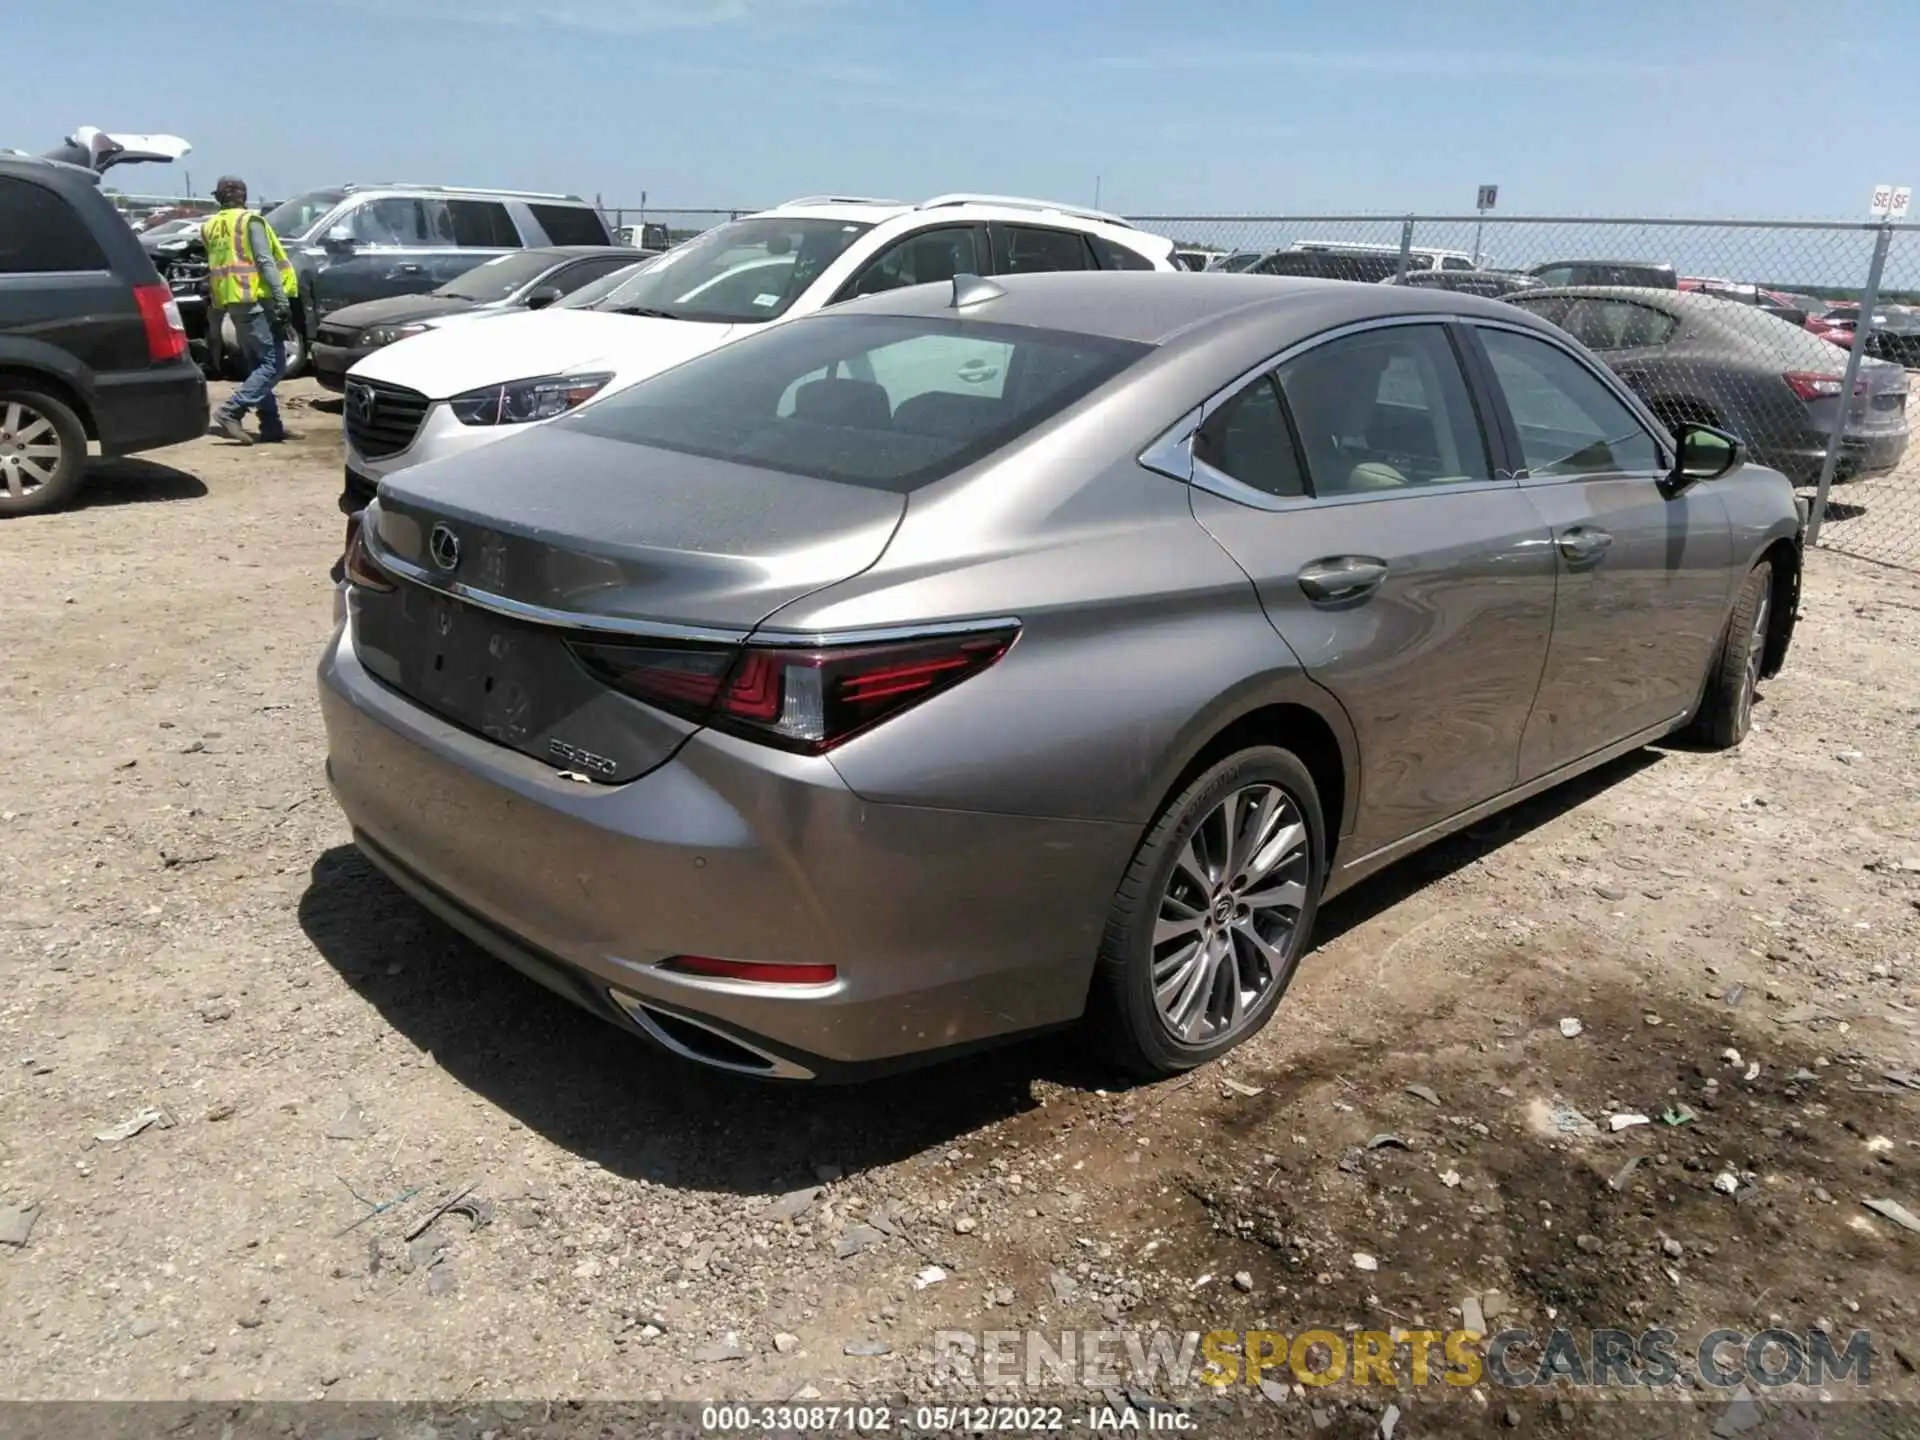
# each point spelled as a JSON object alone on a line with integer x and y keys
{"x": 1212, "y": 917}
{"x": 43, "y": 451}
{"x": 1726, "y": 710}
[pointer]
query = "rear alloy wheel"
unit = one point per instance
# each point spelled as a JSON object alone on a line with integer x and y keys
{"x": 43, "y": 450}
{"x": 1726, "y": 710}
{"x": 1213, "y": 915}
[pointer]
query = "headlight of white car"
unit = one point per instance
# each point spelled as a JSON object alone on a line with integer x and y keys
{"x": 520, "y": 402}
{"x": 387, "y": 334}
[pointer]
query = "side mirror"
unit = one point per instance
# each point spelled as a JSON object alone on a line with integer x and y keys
{"x": 542, "y": 297}
{"x": 1705, "y": 454}
{"x": 340, "y": 237}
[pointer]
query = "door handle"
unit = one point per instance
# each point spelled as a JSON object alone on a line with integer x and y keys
{"x": 1342, "y": 577}
{"x": 1584, "y": 542}
{"x": 409, "y": 269}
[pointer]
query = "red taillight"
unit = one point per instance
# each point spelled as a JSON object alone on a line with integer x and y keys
{"x": 362, "y": 569}
{"x": 166, "y": 331}
{"x": 1809, "y": 385}
{"x": 764, "y": 973}
{"x": 808, "y": 700}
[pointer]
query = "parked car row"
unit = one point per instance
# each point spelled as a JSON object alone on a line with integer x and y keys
{"x": 529, "y": 279}
{"x": 453, "y": 390}
{"x": 354, "y": 243}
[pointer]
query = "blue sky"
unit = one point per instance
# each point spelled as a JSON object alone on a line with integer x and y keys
{"x": 1180, "y": 106}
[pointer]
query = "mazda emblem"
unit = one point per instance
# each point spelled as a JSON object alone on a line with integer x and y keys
{"x": 444, "y": 546}
{"x": 364, "y": 403}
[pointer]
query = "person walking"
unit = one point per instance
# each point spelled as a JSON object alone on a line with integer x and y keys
{"x": 251, "y": 281}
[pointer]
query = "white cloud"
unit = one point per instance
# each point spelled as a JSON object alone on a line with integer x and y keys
{"x": 622, "y": 17}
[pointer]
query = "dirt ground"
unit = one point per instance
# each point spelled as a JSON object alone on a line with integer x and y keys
{"x": 184, "y": 927}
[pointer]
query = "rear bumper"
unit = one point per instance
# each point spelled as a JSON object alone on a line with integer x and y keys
{"x": 1861, "y": 455}
{"x": 949, "y": 929}
{"x": 145, "y": 409}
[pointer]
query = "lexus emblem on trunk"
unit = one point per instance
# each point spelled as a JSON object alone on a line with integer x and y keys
{"x": 444, "y": 546}
{"x": 364, "y": 402}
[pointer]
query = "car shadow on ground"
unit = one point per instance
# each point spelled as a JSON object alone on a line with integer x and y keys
{"x": 611, "y": 1097}
{"x": 132, "y": 479}
{"x": 327, "y": 404}
{"x": 1409, "y": 876}
{"x": 608, "y": 1096}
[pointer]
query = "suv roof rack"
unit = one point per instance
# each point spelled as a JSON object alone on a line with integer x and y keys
{"x": 837, "y": 200}
{"x": 1021, "y": 202}
{"x": 460, "y": 190}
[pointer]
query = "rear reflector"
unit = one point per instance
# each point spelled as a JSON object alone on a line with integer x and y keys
{"x": 763, "y": 973}
{"x": 166, "y": 331}
{"x": 806, "y": 700}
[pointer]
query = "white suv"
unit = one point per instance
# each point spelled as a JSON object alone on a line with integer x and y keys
{"x": 449, "y": 390}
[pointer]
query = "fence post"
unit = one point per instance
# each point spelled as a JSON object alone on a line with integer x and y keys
{"x": 1868, "y": 297}
{"x": 1406, "y": 249}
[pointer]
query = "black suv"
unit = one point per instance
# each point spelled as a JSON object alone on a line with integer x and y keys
{"x": 91, "y": 343}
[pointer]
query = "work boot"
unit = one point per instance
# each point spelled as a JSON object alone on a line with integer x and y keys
{"x": 228, "y": 427}
{"x": 278, "y": 435}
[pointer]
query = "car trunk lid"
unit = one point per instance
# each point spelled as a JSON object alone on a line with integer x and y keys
{"x": 503, "y": 555}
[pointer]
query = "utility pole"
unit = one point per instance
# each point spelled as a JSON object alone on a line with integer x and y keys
{"x": 1096, "y": 192}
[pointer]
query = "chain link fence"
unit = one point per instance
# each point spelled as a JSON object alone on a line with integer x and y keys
{"x": 657, "y": 229}
{"x": 1744, "y": 324}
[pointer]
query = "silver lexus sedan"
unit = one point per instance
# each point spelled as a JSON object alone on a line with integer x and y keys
{"x": 986, "y": 657}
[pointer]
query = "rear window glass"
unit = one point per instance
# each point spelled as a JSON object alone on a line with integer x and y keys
{"x": 40, "y": 233}
{"x": 888, "y": 402}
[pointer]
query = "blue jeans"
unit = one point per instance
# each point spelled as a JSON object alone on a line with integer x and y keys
{"x": 265, "y": 358}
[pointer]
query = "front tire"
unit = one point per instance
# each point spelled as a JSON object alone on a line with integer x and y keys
{"x": 1726, "y": 710}
{"x": 43, "y": 451}
{"x": 1212, "y": 917}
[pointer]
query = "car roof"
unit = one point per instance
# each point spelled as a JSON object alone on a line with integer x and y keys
{"x": 1157, "y": 307}
{"x": 1654, "y": 295}
{"x": 958, "y": 206}
{"x": 1636, "y": 264}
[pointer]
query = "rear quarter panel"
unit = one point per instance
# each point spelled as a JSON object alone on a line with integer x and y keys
{"x": 1140, "y": 641}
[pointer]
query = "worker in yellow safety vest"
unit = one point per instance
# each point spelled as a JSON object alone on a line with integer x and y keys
{"x": 251, "y": 281}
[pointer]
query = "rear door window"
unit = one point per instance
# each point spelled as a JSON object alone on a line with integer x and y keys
{"x": 483, "y": 225}
{"x": 1618, "y": 325}
{"x": 40, "y": 233}
{"x": 884, "y": 401}
{"x": 1026, "y": 249}
{"x": 570, "y": 224}
{"x": 1385, "y": 410}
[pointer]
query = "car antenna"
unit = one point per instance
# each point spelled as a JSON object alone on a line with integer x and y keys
{"x": 973, "y": 290}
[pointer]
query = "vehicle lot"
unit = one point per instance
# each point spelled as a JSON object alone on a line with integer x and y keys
{"x": 185, "y": 928}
